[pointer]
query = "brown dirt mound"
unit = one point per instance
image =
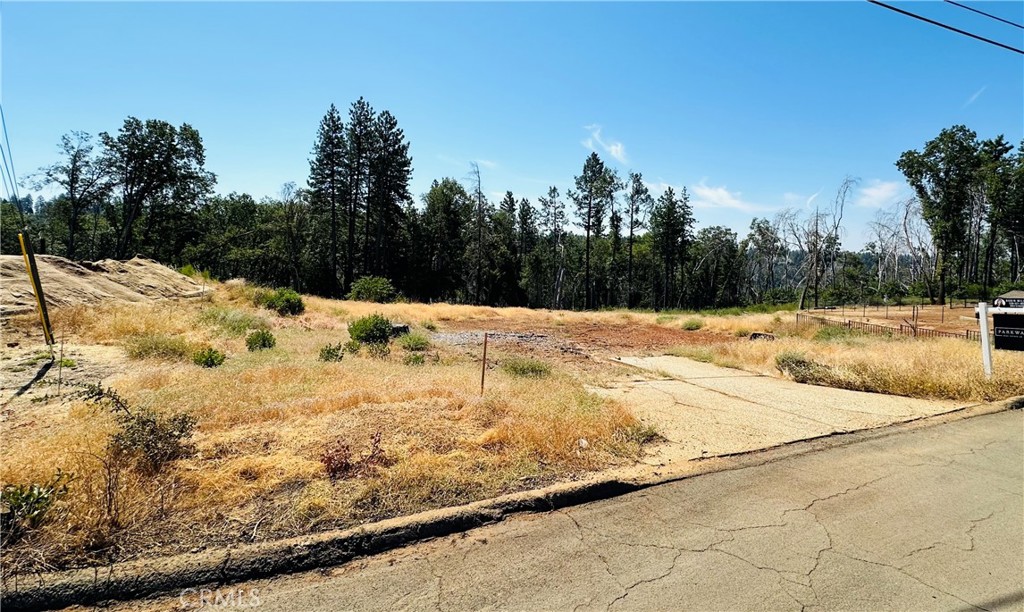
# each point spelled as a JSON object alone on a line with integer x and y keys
{"x": 67, "y": 282}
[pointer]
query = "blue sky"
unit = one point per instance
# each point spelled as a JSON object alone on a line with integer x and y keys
{"x": 754, "y": 106}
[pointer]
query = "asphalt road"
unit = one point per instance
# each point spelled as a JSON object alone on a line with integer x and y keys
{"x": 931, "y": 519}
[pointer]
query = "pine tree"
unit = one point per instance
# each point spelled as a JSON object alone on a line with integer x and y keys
{"x": 390, "y": 171}
{"x": 506, "y": 252}
{"x": 595, "y": 188}
{"x": 552, "y": 223}
{"x": 361, "y": 145}
{"x": 328, "y": 186}
{"x": 638, "y": 204}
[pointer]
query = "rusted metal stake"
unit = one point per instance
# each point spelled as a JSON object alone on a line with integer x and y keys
{"x": 483, "y": 368}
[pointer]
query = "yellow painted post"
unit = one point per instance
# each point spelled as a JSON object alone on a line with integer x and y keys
{"x": 37, "y": 286}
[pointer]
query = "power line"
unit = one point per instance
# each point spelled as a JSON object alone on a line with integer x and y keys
{"x": 948, "y": 27}
{"x": 9, "y": 158}
{"x": 8, "y": 169}
{"x": 972, "y": 9}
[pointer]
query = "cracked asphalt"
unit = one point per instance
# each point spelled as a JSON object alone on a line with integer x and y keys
{"x": 930, "y": 519}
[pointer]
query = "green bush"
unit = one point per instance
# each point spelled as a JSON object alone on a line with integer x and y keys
{"x": 26, "y": 505}
{"x": 352, "y": 347}
{"x": 414, "y": 342}
{"x": 429, "y": 325}
{"x": 525, "y": 367}
{"x": 158, "y": 346}
{"x": 371, "y": 329}
{"x": 193, "y": 272}
{"x": 143, "y": 436}
{"x": 333, "y": 352}
{"x": 259, "y": 340}
{"x": 693, "y": 324}
{"x": 373, "y": 289}
{"x": 208, "y": 357}
{"x": 285, "y": 302}
{"x": 232, "y": 321}
{"x": 152, "y": 440}
{"x": 414, "y": 359}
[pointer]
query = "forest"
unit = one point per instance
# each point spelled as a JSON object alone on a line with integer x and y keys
{"x": 603, "y": 241}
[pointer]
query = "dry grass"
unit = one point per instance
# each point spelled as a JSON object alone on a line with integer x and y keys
{"x": 265, "y": 418}
{"x": 942, "y": 368}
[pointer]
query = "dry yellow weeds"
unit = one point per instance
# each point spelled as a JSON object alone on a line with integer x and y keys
{"x": 265, "y": 418}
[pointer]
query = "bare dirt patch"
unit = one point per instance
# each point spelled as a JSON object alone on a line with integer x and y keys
{"x": 67, "y": 283}
{"x": 958, "y": 318}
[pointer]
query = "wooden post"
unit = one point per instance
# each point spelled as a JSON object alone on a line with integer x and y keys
{"x": 483, "y": 368}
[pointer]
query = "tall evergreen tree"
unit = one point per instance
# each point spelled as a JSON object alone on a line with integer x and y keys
{"x": 552, "y": 223}
{"x": 506, "y": 252}
{"x": 595, "y": 188}
{"x": 360, "y": 140}
{"x": 638, "y": 205}
{"x": 390, "y": 171}
{"x": 447, "y": 211}
{"x": 328, "y": 185}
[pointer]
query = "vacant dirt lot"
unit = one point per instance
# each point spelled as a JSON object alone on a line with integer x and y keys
{"x": 286, "y": 443}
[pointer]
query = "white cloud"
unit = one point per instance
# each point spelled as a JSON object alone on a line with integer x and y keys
{"x": 877, "y": 193}
{"x": 612, "y": 147}
{"x": 706, "y": 196}
{"x": 974, "y": 97}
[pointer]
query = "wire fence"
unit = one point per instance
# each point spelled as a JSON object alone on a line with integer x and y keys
{"x": 886, "y": 330}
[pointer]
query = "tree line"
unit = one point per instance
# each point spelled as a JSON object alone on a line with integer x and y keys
{"x": 605, "y": 241}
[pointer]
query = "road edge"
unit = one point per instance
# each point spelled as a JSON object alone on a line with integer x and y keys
{"x": 143, "y": 578}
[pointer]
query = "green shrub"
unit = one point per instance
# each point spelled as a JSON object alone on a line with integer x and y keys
{"x": 158, "y": 346}
{"x": 26, "y": 505}
{"x": 143, "y": 436}
{"x": 259, "y": 340}
{"x": 352, "y": 347}
{"x": 152, "y": 440}
{"x": 285, "y": 302}
{"x": 373, "y": 289}
{"x": 414, "y": 359}
{"x": 742, "y": 332}
{"x": 371, "y": 329}
{"x": 429, "y": 325}
{"x": 208, "y": 357}
{"x": 414, "y": 342}
{"x": 67, "y": 363}
{"x": 193, "y": 272}
{"x": 693, "y": 324}
{"x": 333, "y": 352}
{"x": 525, "y": 367}
{"x": 232, "y": 321}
